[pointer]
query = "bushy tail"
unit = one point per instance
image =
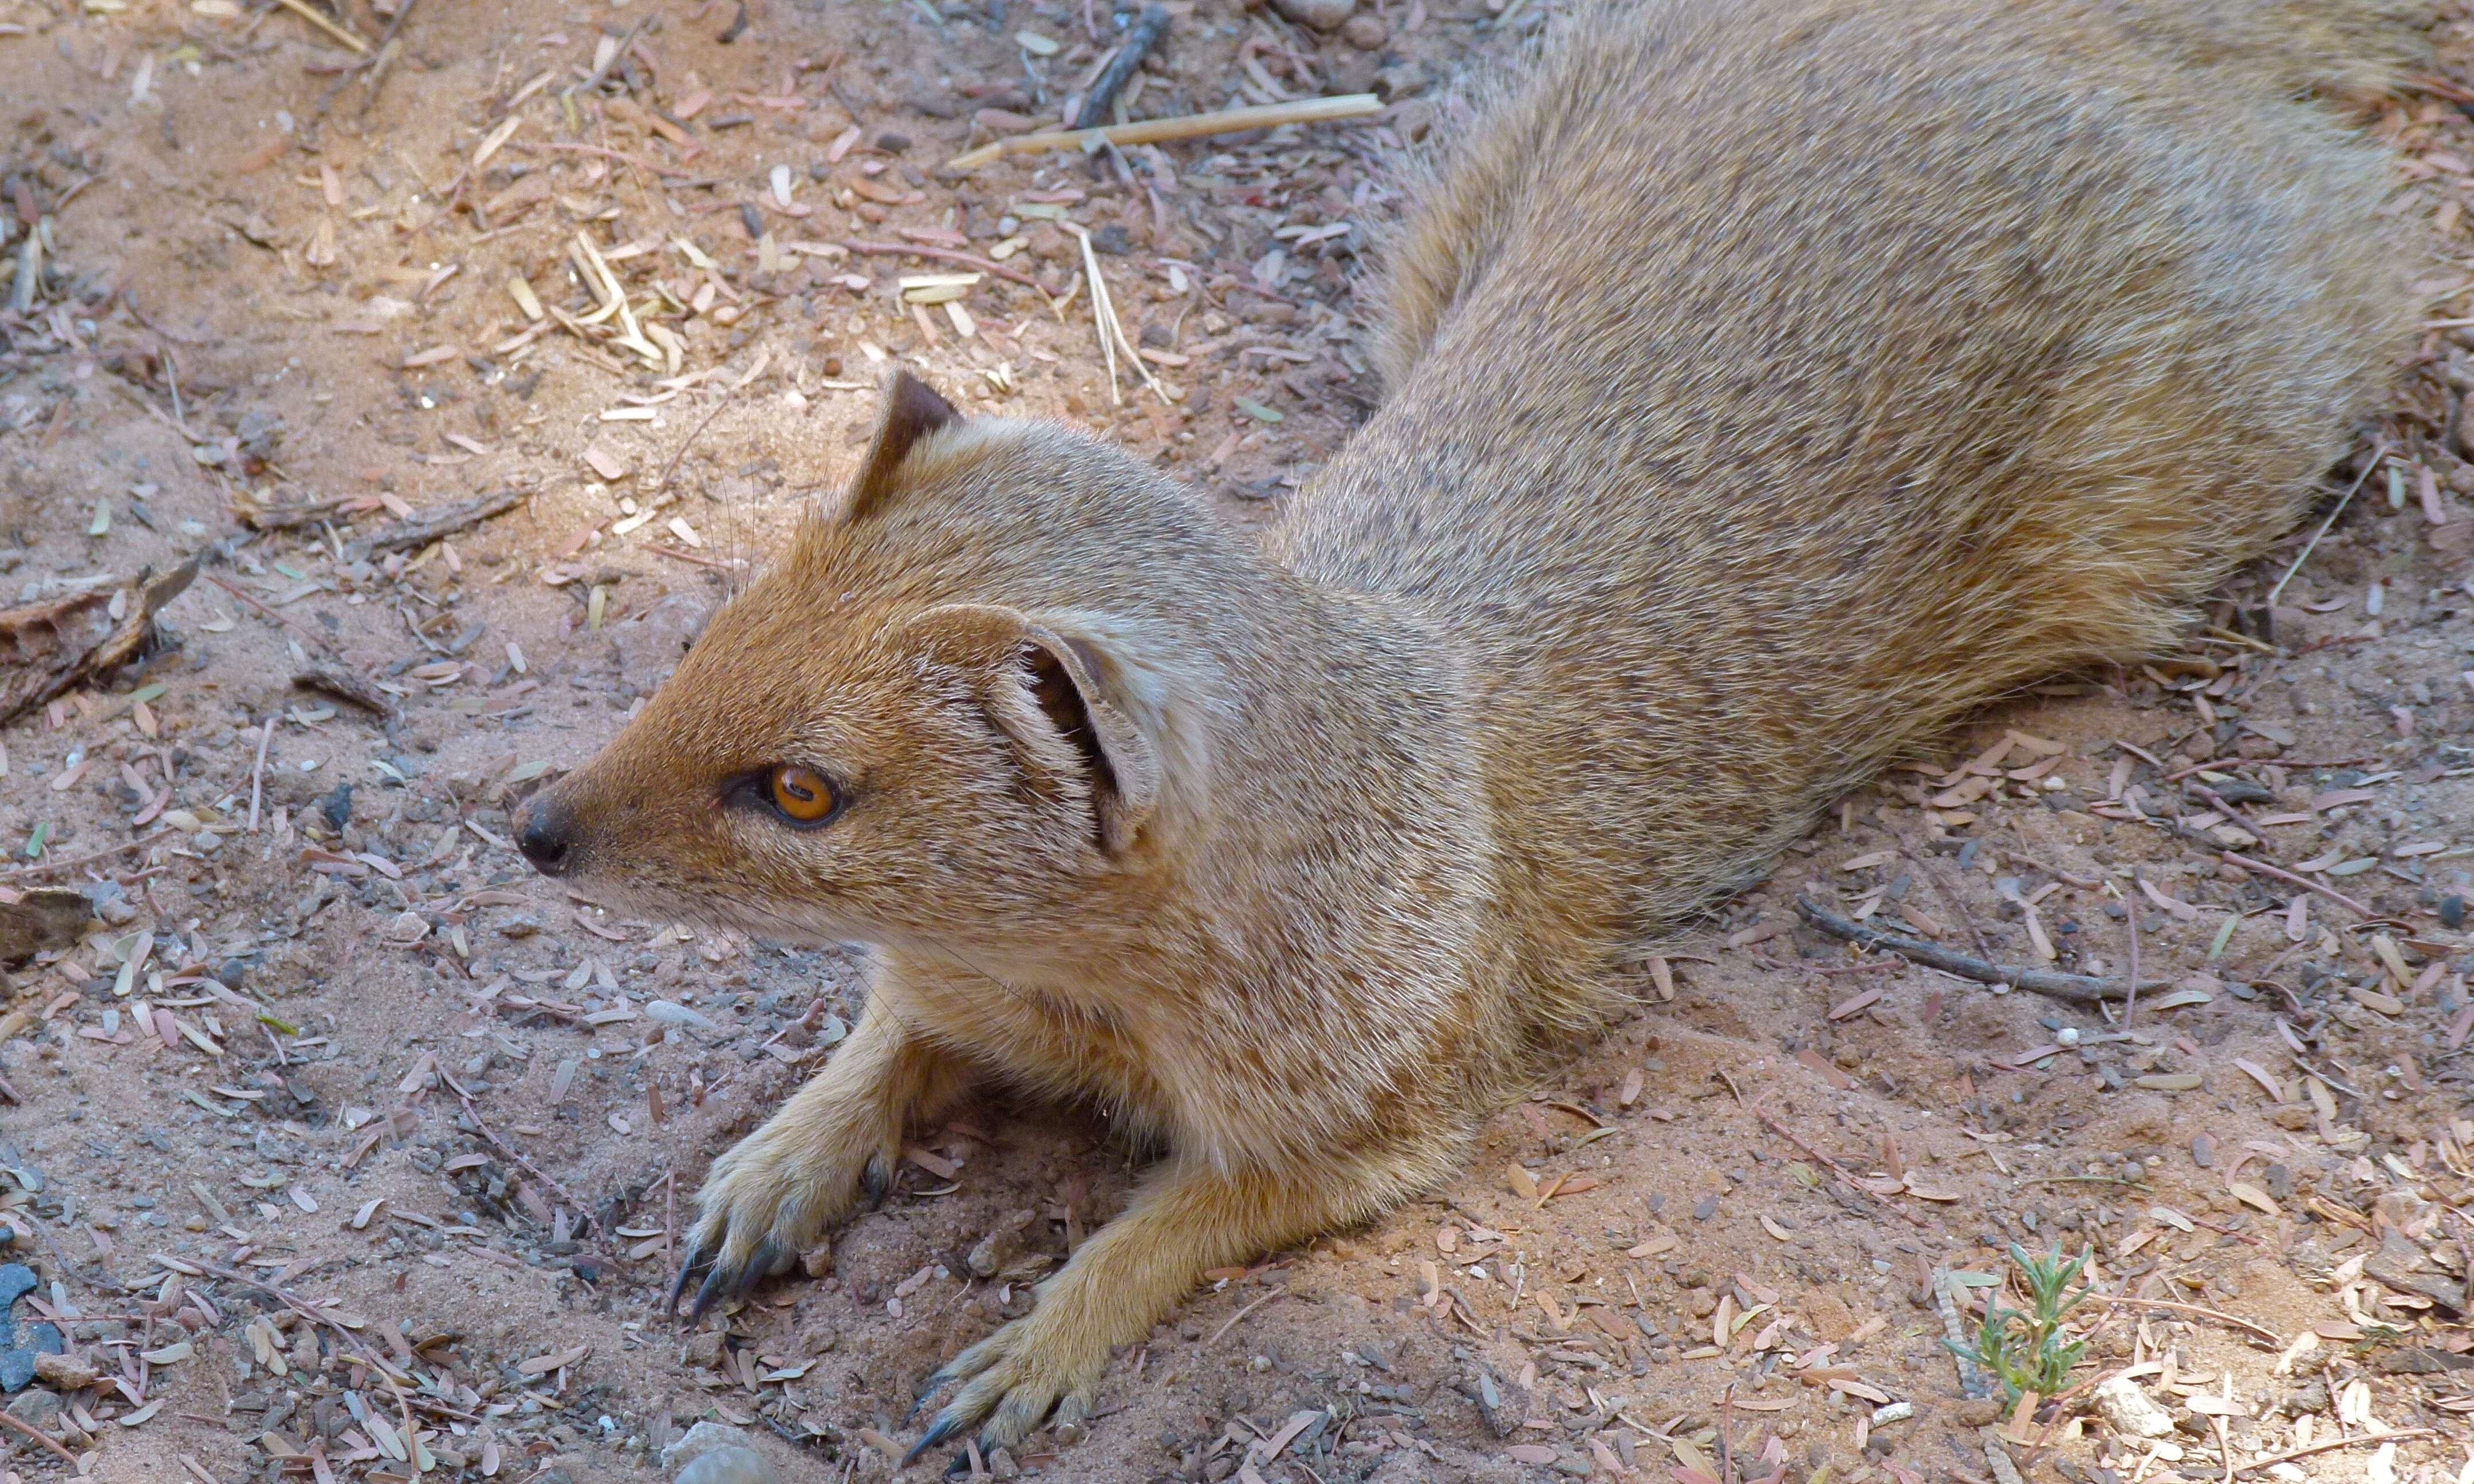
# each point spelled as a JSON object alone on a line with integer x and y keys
{"x": 2346, "y": 50}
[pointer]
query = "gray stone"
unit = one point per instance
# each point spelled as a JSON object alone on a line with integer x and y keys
{"x": 37, "y": 1409}
{"x": 699, "y": 1440}
{"x": 729, "y": 1464}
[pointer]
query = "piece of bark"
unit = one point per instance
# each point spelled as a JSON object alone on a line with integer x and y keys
{"x": 50, "y": 649}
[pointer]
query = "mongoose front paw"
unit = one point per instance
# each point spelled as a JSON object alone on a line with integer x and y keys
{"x": 771, "y": 1197}
{"x": 1016, "y": 1379}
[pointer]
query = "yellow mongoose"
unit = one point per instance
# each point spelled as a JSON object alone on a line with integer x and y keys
{"x": 1771, "y": 381}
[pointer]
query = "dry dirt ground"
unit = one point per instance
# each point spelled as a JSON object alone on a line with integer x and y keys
{"x": 339, "y": 1122}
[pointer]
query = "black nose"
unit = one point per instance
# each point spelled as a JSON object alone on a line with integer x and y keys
{"x": 541, "y": 834}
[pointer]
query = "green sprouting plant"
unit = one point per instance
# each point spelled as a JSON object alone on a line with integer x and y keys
{"x": 2031, "y": 1352}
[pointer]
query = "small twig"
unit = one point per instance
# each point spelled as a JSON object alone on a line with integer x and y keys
{"x": 2057, "y": 872}
{"x": 412, "y": 533}
{"x": 1240, "y": 1314}
{"x": 1160, "y": 131}
{"x": 685, "y": 444}
{"x": 942, "y": 255}
{"x": 601, "y": 73}
{"x": 2331, "y": 1444}
{"x": 2073, "y": 989}
{"x": 2181, "y": 832}
{"x": 2378, "y": 452}
{"x": 312, "y": 636}
{"x": 257, "y": 771}
{"x": 669, "y": 1228}
{"x": 41, "y": 867}
{"x": 583, "y": 1212}
{"x": 2130, "y": 920}
{"x": 2264, "y": 1333}
{"x": 37, "y": 1435}
{"x": 346, "y": 687}
{"x": 385, "y": 1371}
{"x": 595, "y": 149}
{"x": 1950, "y": 899}
{"x": 1840, "y": 1170}
{"x": 309, "y": 13}
{"x": 1145, "y": 33}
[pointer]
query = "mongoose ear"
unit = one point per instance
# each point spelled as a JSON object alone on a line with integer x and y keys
{"x": 1054, "y": 686}
{"x": 911, "y": 410}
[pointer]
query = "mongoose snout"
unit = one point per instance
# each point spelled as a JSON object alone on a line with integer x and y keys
{"x": 1770, "y": 384}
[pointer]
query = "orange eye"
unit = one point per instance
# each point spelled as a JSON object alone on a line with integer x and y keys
{"x": 802, "y": 793}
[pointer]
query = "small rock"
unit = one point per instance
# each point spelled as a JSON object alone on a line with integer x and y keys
{"x": 2204, "y": 1150}
{"x": 2311, "y": 1398}
{"x": 1321, "y": 15}
{"x": 729, "y": 1464}
{"x": 1503, "y": 1405}
{"x": 703, "y": 1438}
{"x": 1366, "y": 33}
{"x": 2452, "y": 912}
{"x": 2131, "y": 1412}
{"x": 43, "y": 919}
{"x": 1981, "y": 1411}
{"x": 37, "y": 1409}
{"x": 336, "y": 808}
{"x": 65, "y": 1372}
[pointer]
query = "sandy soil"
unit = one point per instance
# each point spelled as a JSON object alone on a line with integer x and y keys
{"x": 345, "y": 1118}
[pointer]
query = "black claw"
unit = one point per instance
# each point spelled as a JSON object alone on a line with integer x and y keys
{"x": 715, "y": 1282}
{"x": 877, "y": 1179}
{"x": 760, "y": 1266}
{"x": 950, "y": 1425}
{"x": 959, "y": 1466}
{"x": 679, "y": 1281}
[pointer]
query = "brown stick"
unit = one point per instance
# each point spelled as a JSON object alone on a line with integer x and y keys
{"x": 942, "y": 255}
{"x": 2332, "y": 1444}
{"x": 1240, "y": 1314}
{"x": 385, "y": 1371}
{"x": 2073, "y": 989}
{"x": 1161, "y": 131}
{"x": 35, "y": 1433}
{"x": 2130, "y": 920}
{"x": 1840, "y": 1170}
{"x": 39, "y": 867}
{"x": 413, "y": 534}
{"x": 310, "y": 15}
{"x": 595, "y": 149}
{"x": 346, "y": 687}
{"x": 583, "y": 1212}
{"x": 2264, "y": 1333}
{"x": 2181, "y": 832}
{"x": 258, "y": 772}
{"x": 314, "y": 637}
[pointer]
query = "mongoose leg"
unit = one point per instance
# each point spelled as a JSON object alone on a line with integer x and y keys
{"x": 1186, "y": 1219}
{"x": 777, "y": 1189}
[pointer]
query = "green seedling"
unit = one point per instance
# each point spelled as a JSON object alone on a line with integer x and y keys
{"x": 2032, "y": 1351}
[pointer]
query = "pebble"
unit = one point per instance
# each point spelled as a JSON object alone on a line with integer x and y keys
{"x": 705, "y": 1437}
{"x": 1366, "y": 33}
{"x": 2452, "y": 912}
{"x": 1321, "y": 15}
{"x": 37, "y": 1409}
{"x": 729, "y": 1464}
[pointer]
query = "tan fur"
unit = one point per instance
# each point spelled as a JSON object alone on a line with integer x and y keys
{"x": 1774, "y": 383}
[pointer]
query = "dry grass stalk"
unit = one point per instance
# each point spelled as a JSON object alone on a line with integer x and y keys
{"x": 1160, "y": 131}
{"x": 309, "y": 13}
{"x": 1111, "y": 330}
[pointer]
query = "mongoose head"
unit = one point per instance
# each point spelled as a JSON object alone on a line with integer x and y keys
{"x": 962, "y": 714}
